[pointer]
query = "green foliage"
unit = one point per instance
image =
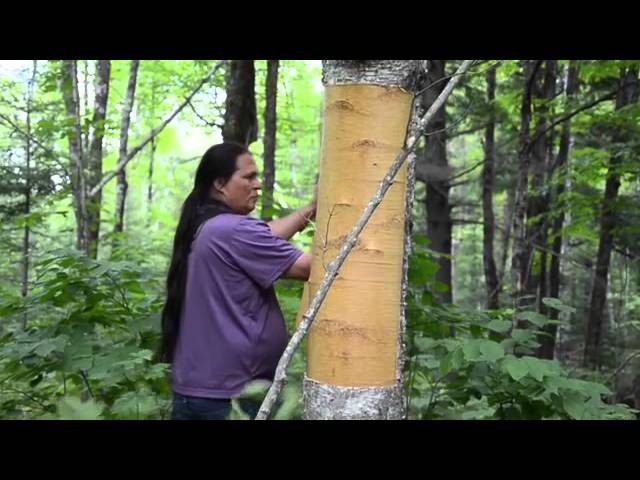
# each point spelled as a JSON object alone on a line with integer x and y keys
{"x": 488, "y": 371}
{"x": 92, "y": 326}
{"x": 92, "y": 331}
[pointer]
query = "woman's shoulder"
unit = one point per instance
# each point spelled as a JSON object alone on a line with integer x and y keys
{"x": 231, "y": 224}
{"x": 220, "y": 226}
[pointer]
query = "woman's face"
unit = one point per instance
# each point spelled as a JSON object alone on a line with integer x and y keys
{"x": 240, "y": 193}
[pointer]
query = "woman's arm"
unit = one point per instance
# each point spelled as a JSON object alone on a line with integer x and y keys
{"x": 288, "y": 226}
{"x": 301, "y": 269}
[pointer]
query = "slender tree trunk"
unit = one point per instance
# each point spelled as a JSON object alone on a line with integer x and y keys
{"x": 94, "y": 170}
{"x": 439, "y": 224}
{"x": 508, "y": 211}
{"x": 122, "y": 184}
{"x": 240, "y": 120}
{"x": 153, "y": 149}
{"x": 520, "y": 249}
{"x": 544, "y": 232}
{"x": 132, "y": 152}
{"x": 491, "y": 276}
{"x": 85, "y": 113}
{"x": 593, "y": 340}
{"x": 543, "y": 90}
{"x": 547, "y": 342}
{"x": 76, "y": 154}
{"x": 353, "y": 349}
{"x": 542, "y": 205}
{"x": 26, "y": 244}
{"x": 269, "y": 169}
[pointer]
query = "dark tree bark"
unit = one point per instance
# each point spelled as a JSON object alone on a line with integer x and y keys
{"x": 541, "y": 147}
{"x": 439, "y": 224}
{"x": 94, "y": 164}
{"x": 269, "y": 157}
{"x": 491, "y": 276}
{"x": 240, "y": 120}
{"x": 593, "y": 340}
{"x": 122, "y": 184}
{"x": 520, "y": 250}
{"x": 547, "y": 342}
{"x": 506, "y": 236}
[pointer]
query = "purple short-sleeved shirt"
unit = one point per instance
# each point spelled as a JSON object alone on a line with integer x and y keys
{"x": 231, "y": 328}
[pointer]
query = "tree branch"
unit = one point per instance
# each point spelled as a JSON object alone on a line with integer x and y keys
{"x": 334, "y": 267}
{"x": 622, "y": 365}
{"x": 469, "y": 130}
{"x": 54, "y": 155}
{"x": 206, "y": 122}
{"x": 134, "y": 151}
{"x": 468, "y": 170}
{"x": 604, "y": 98}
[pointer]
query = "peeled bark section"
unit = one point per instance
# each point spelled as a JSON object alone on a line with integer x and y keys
{"x": 353, "y": 348}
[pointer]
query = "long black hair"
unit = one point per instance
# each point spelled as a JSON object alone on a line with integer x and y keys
{"x": 218, "y": 162}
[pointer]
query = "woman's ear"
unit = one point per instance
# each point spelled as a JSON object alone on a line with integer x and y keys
{"x": 218, "y": 185}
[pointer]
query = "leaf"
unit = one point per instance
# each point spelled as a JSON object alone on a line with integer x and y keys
{"x": 500, "y": 326}
{"x": 471, "y": 350}
{"x": 424, "y": 343}
{"x": 574, "y": 405}
{"x": 521, "y": 335}
{"x": 134, "y": 287}
{"x": 101, "y": 270}
{"x": 516, "y": 368}
{"x": 143, "y": 354}
{"x": 421, "y": 269}
{"x": 47, "y": 346}
{"x": 491, "y": 351}
{"x": 558, "y": 305}
{"x": 554, "y": 383}
{"x": 536, "y": 367}
{"x": 77, "y": 356}
{"x": 135, "y": 405}
{"x": 72, "y": 408}
{"x": 534, "y": 317}
{"x": 451, "y": 361}
{"x": 421, "y": 239}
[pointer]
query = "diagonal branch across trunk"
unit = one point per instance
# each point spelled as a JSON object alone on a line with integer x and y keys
{"x": 334, "y": 267}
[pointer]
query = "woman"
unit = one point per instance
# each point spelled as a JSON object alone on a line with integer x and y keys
{"x": 222, "y": 327}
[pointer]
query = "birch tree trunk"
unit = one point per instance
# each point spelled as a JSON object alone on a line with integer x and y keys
{"x": 69, "y": 89}
{"x": 122, "y": 184}
{"x": 354, "y": 344}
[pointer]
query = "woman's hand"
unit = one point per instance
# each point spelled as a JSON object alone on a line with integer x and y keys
{"x": 313, "y": 205}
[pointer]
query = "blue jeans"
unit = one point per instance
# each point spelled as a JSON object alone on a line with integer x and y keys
{"x": 197, "y": 408}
